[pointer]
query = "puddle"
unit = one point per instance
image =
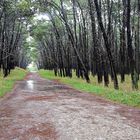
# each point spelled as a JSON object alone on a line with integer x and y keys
{"x": 30, "y": 84}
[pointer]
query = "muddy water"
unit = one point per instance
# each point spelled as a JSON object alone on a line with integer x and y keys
{"x": 40, "y": 109}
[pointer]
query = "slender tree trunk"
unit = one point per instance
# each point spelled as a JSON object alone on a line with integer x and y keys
{"x": 107, "y": 44}
{"x": 134, "y": 74}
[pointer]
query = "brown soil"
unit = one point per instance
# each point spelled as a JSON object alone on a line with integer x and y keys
{"x": 39, "y": 109}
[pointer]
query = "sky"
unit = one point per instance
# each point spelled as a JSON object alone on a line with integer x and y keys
{"x": 41, "y": 16}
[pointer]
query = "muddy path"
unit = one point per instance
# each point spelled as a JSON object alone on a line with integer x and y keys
{"x": 40, "y": 109}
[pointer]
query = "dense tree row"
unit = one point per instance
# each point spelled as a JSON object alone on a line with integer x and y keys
{"x": 13, "y": 24}
{"x": 101, "y": 37}
{"x": 97, "y": 36}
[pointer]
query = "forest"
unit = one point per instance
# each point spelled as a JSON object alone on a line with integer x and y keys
{"x": 94, "y": 37}
{"x": 69, "y": 69}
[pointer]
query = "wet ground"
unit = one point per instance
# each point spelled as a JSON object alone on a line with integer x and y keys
{"x": 40, "y": 109}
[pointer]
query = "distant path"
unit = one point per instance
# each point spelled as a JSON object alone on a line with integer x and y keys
{"x": 40, "y": 109}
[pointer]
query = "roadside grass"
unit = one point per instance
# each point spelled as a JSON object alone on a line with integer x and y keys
{"x": 125, "y": 95}
{"x": 6, "y": 84}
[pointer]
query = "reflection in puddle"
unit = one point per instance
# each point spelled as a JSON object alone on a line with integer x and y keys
{"x": 30, "y": 84}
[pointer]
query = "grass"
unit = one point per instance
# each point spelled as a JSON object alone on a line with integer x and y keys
{"x": 6, "y": 84}
{"x": 125, "y": 95}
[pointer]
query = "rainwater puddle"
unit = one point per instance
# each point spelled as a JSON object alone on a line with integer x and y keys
{"x": 30, "y": 84}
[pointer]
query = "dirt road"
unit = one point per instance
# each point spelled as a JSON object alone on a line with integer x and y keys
{"x": 40, "y": 109}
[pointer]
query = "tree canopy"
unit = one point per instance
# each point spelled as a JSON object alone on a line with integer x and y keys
{"x": 101, "y": 37}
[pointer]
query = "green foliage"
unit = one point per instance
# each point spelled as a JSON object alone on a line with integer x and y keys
{"x": 23, "y": 5}
{"x": 26, "y": 8}
{"x": 120, "y": 96}
{"x": 30, "y": 50}
{"x": 39, "y": 30}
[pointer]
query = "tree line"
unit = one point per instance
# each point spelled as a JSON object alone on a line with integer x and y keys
{"x": 13, "y": 25}
{"x": 98, "y": 37}
{"x": 101, "y": 37}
